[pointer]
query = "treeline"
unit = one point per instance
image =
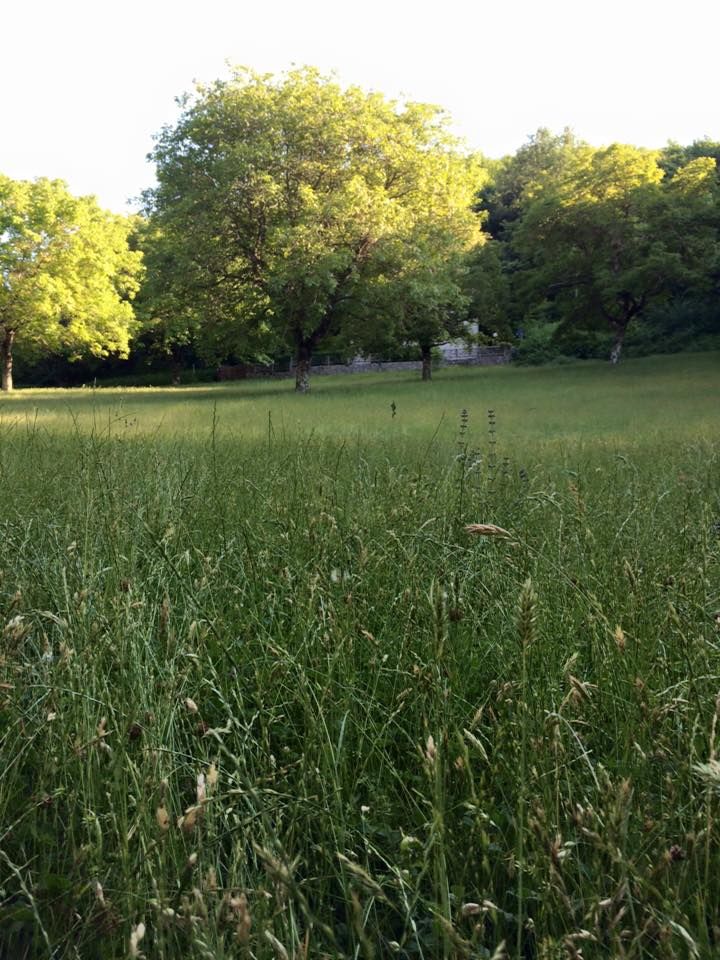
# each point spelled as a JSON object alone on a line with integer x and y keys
{"x": 596, "y": 247}
{"x": 292, "y": 217}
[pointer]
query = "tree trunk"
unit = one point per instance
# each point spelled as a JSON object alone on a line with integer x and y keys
{"x": 426, "y": 354}
{"x": 6, "y": 360}
{"x": 303, "y": 359}
{"x": 617, "y": 346}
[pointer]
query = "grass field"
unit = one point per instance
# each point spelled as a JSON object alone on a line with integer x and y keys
{"x": 262, "y": 695}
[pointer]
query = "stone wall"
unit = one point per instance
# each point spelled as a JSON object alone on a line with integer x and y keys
{"x": 365, "y": 366}
{"x": 478, "y": 357}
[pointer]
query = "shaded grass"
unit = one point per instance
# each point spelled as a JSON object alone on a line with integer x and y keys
{"x": 417, "y": 753}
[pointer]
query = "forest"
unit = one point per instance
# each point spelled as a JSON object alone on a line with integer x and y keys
{"x": 293, "y": 219}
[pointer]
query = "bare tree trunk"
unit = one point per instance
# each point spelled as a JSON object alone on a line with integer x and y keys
{"x": 6, "y": 360}
{"x": 303, "y": 359}
{"x": 426, "y": 354}
{"x": 617, "y": 346}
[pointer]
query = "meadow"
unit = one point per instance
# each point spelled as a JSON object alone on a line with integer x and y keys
{"x": 263, "y": 695}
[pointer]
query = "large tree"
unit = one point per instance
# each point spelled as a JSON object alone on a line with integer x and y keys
{"x": 616, "y": 236}
{"x": 285, "y": 203}
{"x": 67, "y": 274}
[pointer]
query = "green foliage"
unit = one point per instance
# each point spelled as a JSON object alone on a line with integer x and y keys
{"x": 515, "y": 181}
{"x": 536, "y": 346}
{"x": 594, "y": 241}
{"x": 674, "y": 156}
{"x": 289, "y": 210}
{"x": 488, "y": 291}
{"x": 67, "y": 273}
{"x": 614, "y": 238}
{"x": 682, "y": 323}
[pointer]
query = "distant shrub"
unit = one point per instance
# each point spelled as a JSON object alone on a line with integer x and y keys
{"x": 536, "y": 346}
{"x": 582, "y": 344}
{"x": 685, "y": 324}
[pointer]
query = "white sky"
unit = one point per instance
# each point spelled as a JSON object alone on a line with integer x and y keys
{"x": 86, "y": 83}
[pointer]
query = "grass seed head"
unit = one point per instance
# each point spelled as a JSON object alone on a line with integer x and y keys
{"x": 527, "y": 608}
{"x": 486, "y": 530}
{"x": 280, "y": 951}
{"x": 15, "y": 630}
{"x": 362, "y": 875}
{"x": 189, "y": 820}
{"x": 709, "y": 772}
{"x": 200, "y": 791}
{"x": 211, "y": 880}
{"x": 164, "y": 613}
{"x": 243, "y": 919}
{"x": 136, "y": 935}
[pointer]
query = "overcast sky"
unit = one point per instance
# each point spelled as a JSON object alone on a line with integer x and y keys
{"x": 86, "y": 83}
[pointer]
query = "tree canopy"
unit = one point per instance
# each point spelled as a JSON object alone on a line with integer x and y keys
{"x": 67, "y": 274}
{"x": 615, "y": 235}
{"x": 515, "y": 181}
{"x": 289, "y": 209}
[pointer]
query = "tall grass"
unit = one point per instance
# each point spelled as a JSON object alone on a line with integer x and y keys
{"x": 262, "y": 695}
